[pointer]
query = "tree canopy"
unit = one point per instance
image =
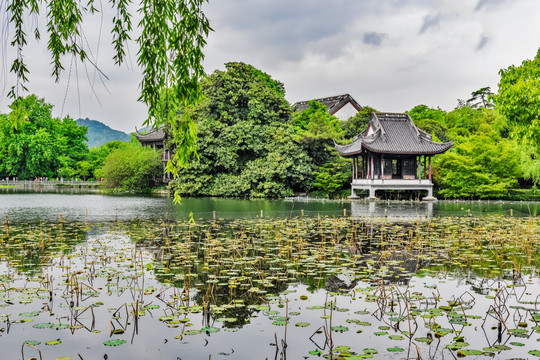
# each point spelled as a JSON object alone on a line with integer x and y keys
{"x": 34, "y": 144}
{"x": 518, "y": 99}
{"x": 245, "y": 145}
{"x": 172, "y": 37}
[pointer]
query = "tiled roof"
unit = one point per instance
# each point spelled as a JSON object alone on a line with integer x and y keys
{"x": 152, "y": 136}
{"x": 333, "y": 103}
{"x": 391, "y": 133}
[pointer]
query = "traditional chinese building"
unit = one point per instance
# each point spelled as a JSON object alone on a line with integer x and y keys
{"x": 156, "y": 140}
{"x": 341, "y": 106}
{"x": 392, "y": 154}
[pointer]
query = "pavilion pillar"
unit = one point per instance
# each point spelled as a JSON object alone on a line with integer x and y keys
{"x": 382, "y": 166}
{"x": 363, "y": 165}
{"x": 430, "y": 168}
{"x": 372, "y": 168}
{"x": 425, "y": 167}
{"x": 353, "y": 161}
{"x": 368, "y": 170}
{"x": 418, "y": 171}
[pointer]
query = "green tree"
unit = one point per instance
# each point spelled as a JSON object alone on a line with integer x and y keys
{"x": 133, "y": 168}
{"x": 172, "y": 37}
{"x": 431, "y": 121}
{"x": 481, "y": 98}
{"x": 518, "y": 99}
{"x": 96, "y": 156}
{"x": 481, "y": 165}
{"x": 332, "y": 177}
{"x": 316, "y": 130}
{"x": 357, "y": 123}
{"x": 39, "y": 145}
{"x": 245, "y": 146}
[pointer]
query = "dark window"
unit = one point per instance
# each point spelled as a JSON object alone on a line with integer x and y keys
{"x": 409, "y": 166}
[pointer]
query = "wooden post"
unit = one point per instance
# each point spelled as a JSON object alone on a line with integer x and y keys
{"x": 363, "y": 170}
{"x": 418, "y": 172}
{"x": 368, "y": 176}
{"x": 382, "y": 166}
{"x": 372, "y": 168}
{"x": 425, "y": 167}
{"x": 430, "y": 168}
{"x": 353, "y": 169}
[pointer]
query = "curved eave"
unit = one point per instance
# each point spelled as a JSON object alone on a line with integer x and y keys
{"x": 444, "y": 147}
{"x": 349, "y": 150}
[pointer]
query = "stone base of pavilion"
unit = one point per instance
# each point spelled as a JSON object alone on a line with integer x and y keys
{"x": 373, "y": 185}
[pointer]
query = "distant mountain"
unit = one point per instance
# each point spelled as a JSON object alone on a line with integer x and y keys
{"x": 99, "y": 133}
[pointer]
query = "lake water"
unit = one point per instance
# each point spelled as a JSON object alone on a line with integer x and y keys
{"x": 301, "y": 282}
{"x": 74, "y": 205}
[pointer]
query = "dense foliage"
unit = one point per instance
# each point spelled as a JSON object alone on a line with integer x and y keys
{"x": 245, "y": 145}
{"x": 34, "y": 144}
{"x": 171, "y": 36}
{"x": 252, "y": 144}
{"x": 132, "y": 167}
{"x": 518, "y": 99}
{"x": 483, "y": 163}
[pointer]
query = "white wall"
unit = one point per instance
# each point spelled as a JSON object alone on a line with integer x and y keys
{"x": 346, "y": 112}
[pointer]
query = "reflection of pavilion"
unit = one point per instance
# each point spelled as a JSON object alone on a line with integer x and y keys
{"x": 393, "y": 210}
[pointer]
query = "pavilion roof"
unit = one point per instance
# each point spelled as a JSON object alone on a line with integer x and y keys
{"x": 332, "y": 103}
{"x": 393, "y": 133}
{"x": 154, "y": 135}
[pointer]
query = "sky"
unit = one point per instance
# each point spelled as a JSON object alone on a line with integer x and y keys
{"x": 388, "y": 54}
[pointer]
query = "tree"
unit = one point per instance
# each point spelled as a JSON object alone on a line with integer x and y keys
{"x": 173, "y": 34}
{"x": 39, "y": 145}
{"x": 518, "y": 99}
{"x": 133, "y": 167}
{"x": 481, "y": 164}
{"x": 245, "y": 146}
{"x": 481, "y": 98}
{"x": 357, "y": 123}
{"x": 431, "y": 121}
{"x": 316, "y": 130}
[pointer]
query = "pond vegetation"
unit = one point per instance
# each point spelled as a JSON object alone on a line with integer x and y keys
{"x": 296, "y": 287}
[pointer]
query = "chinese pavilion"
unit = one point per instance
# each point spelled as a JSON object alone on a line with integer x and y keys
{"x": 156, "y": 140}
{"x": 392, "y": 154}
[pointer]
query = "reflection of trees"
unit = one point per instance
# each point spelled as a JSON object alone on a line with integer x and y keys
{"x": 246, "y": 260}
{"x": 30, "y": 247}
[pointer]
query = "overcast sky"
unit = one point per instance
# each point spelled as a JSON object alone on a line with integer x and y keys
{"x": 389, "y": 54}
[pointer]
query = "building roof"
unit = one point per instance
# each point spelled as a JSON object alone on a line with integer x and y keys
{"x": 155, "y": 135}
{"x": 333, "y": 103}
{"x": 393, "y": 133}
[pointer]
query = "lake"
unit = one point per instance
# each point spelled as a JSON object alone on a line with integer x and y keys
{"x": 136, "y": 279}
{"x": 75, "y": 205}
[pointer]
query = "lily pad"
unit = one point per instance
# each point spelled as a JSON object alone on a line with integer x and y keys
{"x": 114, "y": 342}
{"x": 53, "y": 342}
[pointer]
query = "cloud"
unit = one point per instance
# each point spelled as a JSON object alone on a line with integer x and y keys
{"x": 483, "y": 42}
{"x": 485, "y": 3}
{"x": 430, "y": 21}
{"x": 374, "y": 38}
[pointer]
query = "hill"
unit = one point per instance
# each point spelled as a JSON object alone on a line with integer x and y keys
{"x": 99, "y": 133}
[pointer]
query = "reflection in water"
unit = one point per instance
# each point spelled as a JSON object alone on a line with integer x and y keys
{"x": 256, "y": 286}
{"x": 36, "y": 207}
{"x": 393, "y": 210}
